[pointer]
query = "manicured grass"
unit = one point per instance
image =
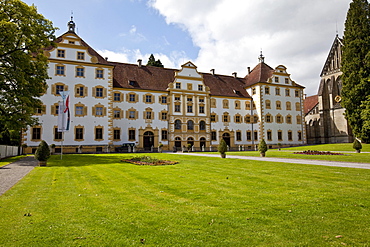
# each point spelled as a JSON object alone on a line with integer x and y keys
{"x": 348, "y": 157}
{"x": 331, "y": 147}
{"x": 9, "y": 160}
{"x": 95, "y": 200}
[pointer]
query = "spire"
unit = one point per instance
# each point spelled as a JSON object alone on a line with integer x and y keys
{"x": 261, "y": 58}
{"x": 71, "y": 24}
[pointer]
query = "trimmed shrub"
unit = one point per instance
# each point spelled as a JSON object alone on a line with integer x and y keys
{"x": 42, "y": 151}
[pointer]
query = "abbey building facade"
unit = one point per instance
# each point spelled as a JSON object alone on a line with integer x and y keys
{"x": 118, "y": 103}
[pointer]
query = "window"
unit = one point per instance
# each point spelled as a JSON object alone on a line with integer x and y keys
{"x": 164, "y": 134}
{"x": 189, "y": 99}
{"x": 177, "y": 124}
{"x": 213, "y": 103}
{"x": 253, "y": 90}
{"x": 201, "y": 109}
{"x": 98, "y": 133}
{"x": 132, "y": 97}
{"x": 80, "y": 91}
{"x": 213, "y": 117}
{"x": 278, "y": 105}
{"x": 163, "y": 115}
{"x": 280, "y": 135}
{"x": 201, "y": 100}
{"x": 238, "y": 136}
{"x": 117, "y": 97}
{"x": 297, "y": 106}
{"x": 255, "y": 135}
{"x": 148, "y": 98}
{"x": 131, "y": 134}
{"x": 214, "y": 136}
{"x": 71, "y": 42}
{"x": 225, "y": 118}
{"x": 202, "y": 125}
{"x": 225, "y": 104}
{"x": 255, "y": 119}
{"x": 79, "y": 133}
{"x": 247, "y": 105}
{"x": 79, "y": 111}
{"x": 59, "y": 88}
{"x": 290, "y": 136}
{"x": 177, "y": 108}
{"x": 268, "y": 118}
{"x": 249, "y": 135}
{"x": 190, "y": 108}
{"x": 279, "y": 119}
{"x": 296, "y": 93}
{"x": 299, "y": 136}
{"x": 117, "y": 134}
{"x": 36, "y": 133}
{"x": 178, "y": 85}
{"x": 99, "y": 111}
{"x": 287, "y": 92}
{"x": 276, "y": 79}
{"x": 55, "y": 109}
{"x": 200, "y": 87}
{"x": 268, "y": 104}
{"x": 177, "y": 98}
{"x": 248, "y": 119}
{"x": 80, "y": 55}
{"x": 286, "y": 81}
{"x": 61, "y": 53}
{"x": 288, "y": 106}
{"x": 132, "y": 114}
{"x": 288, "y": 119}
{"x": 277, "y": 91}
{"x": 80, "y": 72}
{"x": 269, "y": 135}
{"x": 116, "y": 114}
{"x": 164, "y": 99}
{"x": 190, "y": 125}
{"x": 99, "y": 92}
{"x": 57, "y": 135}
{"x": 60, "y": 70}
{"x": 267, "y": 90}
{"x": 237, "y": 104}
{"x": 148, "y": 115}
{"x": 299, "y": 119}
{"x": 237, "y": 119}
{"x": 99, "y": 73}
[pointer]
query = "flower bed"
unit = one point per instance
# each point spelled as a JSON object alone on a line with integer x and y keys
{"x": 314, "y": 152}
{"x": 149, "y": 161}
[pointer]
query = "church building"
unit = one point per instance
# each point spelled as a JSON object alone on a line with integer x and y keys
{"x": 113, "y": 104}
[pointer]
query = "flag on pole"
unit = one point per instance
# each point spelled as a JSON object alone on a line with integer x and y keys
{"x": 64, "y": 116}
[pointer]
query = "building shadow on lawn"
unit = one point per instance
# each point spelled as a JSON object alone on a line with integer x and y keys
{"x": 75, "y": 160}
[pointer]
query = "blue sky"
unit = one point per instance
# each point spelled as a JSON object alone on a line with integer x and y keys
{"x": 225, "y": 35}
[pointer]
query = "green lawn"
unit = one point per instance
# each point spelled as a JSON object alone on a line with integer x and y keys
{"x": 7, "y": 161}
{"x": 95, "y": 200}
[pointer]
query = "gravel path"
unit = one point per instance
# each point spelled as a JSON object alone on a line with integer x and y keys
{"x": 13, "y": 172}
{"x": 295, "y": 161}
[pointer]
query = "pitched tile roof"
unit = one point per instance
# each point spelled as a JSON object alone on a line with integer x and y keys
{"x": 261, "y": 73}
{"x": 309, "y": 103}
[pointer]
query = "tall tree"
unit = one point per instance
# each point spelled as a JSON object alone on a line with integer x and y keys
{"x": 23, "y": 66}
{"x": 153, "y": 62}
{"x": 356, "y": 67}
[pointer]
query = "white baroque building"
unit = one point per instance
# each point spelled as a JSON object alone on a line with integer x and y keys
{"x": 116, "y": 103}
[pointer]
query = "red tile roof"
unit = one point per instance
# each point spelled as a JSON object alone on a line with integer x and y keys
{"x": 261, "y": 73}
{"x": 310, "y": 102}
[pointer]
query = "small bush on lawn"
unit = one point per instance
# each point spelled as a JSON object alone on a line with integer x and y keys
{"x": 148, "y": 161}
{"x": 314, "y": 152}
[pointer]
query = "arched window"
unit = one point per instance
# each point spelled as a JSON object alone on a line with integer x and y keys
{"x": 177, "y": 124}
{"x": 202, "y": 125}
{"x": 190, "y": 125}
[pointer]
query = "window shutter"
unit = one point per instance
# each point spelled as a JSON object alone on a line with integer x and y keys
{"x": 65, "y": 88}
{"x": 76, "y": 95}
{"x": 104, "y": 92}
{"x": 136, "y": 114}
{"x": 93, "y": 111}
{"x": 85, "y": 91}
{"x": 121, "y": 97}
{"x": 104, "y": 111}
{"x": 94, "y": 92}
{"x": 121, "y": 114}
{"x": 85, "y": 110}
{"x": 52, "y": 109}
{"x": 53, "y": 89}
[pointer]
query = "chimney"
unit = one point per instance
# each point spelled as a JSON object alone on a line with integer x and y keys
{"x": 139, "y": 61}
{"x": 235, "y": 74}
{"x": 249, "y": 70}
{"x": 213, "y": 71}
{"x": 106, "y": 58}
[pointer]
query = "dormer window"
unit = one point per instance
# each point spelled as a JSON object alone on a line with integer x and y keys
{"x": 131, "y": 83}
{"x": 61, "y": 53}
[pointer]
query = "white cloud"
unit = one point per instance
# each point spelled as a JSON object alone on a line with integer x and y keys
{"x": 231, "y": 33}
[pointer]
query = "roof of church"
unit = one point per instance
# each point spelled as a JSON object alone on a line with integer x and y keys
{"x": 310, "y": 102}
{"x": 337, "y": 42}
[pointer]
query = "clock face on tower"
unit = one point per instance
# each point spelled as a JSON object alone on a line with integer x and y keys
{"x": 338, "y": 99}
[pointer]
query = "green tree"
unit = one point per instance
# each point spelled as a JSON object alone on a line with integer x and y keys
{"x": 23, "y": 66}
{"x": 356, "y": 66}
{"x": 153, "y": 62}
{"x": 262, "y": 147}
